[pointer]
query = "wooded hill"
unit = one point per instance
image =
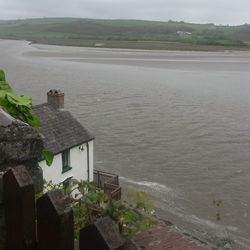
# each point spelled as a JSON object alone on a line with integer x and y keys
{"x": 127, "y": 33}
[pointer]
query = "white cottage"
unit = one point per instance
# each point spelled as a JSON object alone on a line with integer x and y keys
{"x": 71, "y": 143}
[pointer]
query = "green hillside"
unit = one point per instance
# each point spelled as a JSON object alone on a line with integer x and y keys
{"x": 127, "y": 33}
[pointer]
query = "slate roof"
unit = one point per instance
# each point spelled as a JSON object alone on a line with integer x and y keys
{"x": 60, "y": 129}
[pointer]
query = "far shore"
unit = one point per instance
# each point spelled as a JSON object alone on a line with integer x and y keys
{"x": 143, "y": 45}
{"x": 137, "y": 45}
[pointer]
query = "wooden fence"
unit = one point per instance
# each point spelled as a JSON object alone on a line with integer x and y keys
{"x": 45, "y": 224}
{"x": 109, "y": 183}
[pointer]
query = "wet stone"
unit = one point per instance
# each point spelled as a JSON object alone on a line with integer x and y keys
{"x": 103, "y": 234}
{"x": 21, "y": 144}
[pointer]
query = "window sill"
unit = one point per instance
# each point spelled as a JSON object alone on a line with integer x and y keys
{"x": 66, "y": 169}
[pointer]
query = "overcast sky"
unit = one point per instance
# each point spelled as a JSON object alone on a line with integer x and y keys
{"x": 198, "y": 11}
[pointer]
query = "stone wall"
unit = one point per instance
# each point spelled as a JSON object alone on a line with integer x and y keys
{"x": 20, "y": 144}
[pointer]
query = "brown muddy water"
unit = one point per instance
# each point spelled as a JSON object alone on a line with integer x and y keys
{"x": 175, "y": 124}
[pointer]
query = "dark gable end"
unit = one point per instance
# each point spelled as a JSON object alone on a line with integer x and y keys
{"x": 60, "y": 129}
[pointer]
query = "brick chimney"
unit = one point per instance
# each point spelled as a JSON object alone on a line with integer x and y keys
{"x": 56, "y": 98}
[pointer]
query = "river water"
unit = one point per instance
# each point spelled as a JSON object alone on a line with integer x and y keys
{"x": 176, "y": 124}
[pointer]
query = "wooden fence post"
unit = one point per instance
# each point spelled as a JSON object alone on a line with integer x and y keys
{"x": 102, "y": 235}
{"x": 55, "y": 225}
{"x": 2, "y": 217}
{"x": 19, "y": 206}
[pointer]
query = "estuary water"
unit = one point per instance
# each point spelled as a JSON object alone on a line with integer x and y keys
{"x": 175, "y": 124}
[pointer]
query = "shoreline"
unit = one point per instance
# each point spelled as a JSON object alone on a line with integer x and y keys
{"x": 166, "y": 46}
{"x": 167, "y": 223}
{"x": 207, "y": 237}
{"x": 133, "y": 45}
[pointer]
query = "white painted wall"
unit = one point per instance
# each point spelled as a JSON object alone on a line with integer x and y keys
{"x": 78, "y": 162}
{"x": 91, "y": 160}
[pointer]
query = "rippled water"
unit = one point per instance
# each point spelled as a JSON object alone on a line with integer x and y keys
{"x": 176, "y": 124}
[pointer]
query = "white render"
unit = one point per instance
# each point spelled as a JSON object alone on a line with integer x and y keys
{"x": 78, "y": 162}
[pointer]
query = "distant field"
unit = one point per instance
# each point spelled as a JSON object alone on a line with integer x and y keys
{"x": 128, "y": 34}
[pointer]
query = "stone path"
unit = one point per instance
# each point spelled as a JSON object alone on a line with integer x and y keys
{"x": 165, "y": 238}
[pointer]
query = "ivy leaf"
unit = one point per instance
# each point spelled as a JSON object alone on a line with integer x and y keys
{"x": 4, "y": 85}
{"x": 19, "y": 100}
{"x": 2, "y": 75}
{"x": 20, "y": 107}
{"x": 17, "y": 106}
{"x": 48, "y": 156}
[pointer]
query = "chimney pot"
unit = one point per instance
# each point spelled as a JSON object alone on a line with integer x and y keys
{"x": 55, "y": 98}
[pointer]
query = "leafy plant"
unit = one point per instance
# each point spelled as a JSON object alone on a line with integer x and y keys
{"x": 134, "y": 215}
{"x": 2, "y": 75}
{"x": 48, "y": 156}
{"x": 20, "y": 107}
{"x": 129, "y": 217}
{"x": 90, "y": 203}
{"x": 140, "y": 200}
{"x": 49, "y": 186}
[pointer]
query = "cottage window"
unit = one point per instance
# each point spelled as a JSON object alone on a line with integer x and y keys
{"x": 66, "y": 161}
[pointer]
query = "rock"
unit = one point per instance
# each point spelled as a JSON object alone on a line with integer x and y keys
{"x": 20, "y": 144}
{"x": 103, "y": 234}
{"x": 225, "y": 244}
{"x": 228, "y": 246}
{"x": 5, "y": 118}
